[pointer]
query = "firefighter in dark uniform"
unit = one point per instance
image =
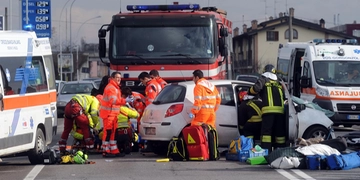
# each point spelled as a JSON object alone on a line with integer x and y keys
{"x": 249, "y": 121}
{"x": 272, "y": 95}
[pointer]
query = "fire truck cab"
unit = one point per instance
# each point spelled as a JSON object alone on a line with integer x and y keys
{"x": 173, "y": 39}
{"x": 326, "y": 72}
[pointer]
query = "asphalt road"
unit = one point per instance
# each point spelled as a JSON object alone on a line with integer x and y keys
{"x": 137, "y": 166}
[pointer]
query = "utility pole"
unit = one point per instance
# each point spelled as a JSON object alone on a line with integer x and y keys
{"x": 291, "y": 15}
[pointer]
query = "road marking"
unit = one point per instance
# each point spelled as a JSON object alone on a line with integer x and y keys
{"x": 34, "y": 172}
{"x": 286, "y": 174}
{"x": 302, "y": 174}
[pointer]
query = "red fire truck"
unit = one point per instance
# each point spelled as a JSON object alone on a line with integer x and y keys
{"x": 173, "y": 39}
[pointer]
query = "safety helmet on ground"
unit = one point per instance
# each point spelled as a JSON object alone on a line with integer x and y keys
{"x": 269, "y": 68}
{"x": 242, "y": 94}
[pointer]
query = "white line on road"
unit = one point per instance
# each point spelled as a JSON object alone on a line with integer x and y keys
{"x": 34, "y": 172}
{"x": 286, "y": 174}
{"x": 302, "y": 174}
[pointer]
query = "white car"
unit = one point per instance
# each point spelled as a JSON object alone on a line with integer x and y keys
{"x": 168, "y": 115}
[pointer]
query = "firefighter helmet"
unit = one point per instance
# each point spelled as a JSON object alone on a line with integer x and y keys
{"x": 269, "y": 68}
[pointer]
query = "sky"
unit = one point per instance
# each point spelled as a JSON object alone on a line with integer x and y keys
{"x": 84, "y": 23}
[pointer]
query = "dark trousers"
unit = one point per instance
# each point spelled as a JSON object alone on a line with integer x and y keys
{"x": 252, "y": 130}
{"x": 273, "y": 131}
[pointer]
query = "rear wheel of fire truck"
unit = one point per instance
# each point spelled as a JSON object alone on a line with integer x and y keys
{"x": 35, "y": 155}
{"x": 316, "y": 132}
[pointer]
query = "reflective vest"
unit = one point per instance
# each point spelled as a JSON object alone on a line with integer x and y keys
{"x": 76, "y": 133}
{"x": 271, "y": 93}
{"x": 151, "y": 91}
{"x": 111, "y": 101}
{"x": 206, "y": 96}
{"x": 90, "y": 105}
{"x": 125, "y": 114}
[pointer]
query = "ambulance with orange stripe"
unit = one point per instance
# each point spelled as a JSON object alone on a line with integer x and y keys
{"x": 27, "y": 95}
{"x": 326, "y": 72}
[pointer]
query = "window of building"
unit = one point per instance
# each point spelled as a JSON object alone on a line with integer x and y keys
{"x": 272, "y": 36}
{"x": 295, "y": 34}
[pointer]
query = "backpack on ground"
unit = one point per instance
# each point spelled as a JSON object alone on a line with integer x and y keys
{"x": 213, "y": 142}
{"x": 177, "y": 149}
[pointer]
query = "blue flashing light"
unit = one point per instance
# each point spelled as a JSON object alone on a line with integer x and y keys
{"x": 342, "y": 41}
{"x": 126, "y": 75}
{"x": 163, "y": 7}
{"x": 28, "y": 27}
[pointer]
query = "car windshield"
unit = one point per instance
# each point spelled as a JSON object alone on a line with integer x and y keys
{"x": 337, "y": 73}
{"x": 170, "y": 94}
{"x": 78, "y": 88}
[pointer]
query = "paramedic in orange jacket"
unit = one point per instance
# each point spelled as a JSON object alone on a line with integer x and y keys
{"x": 206, "y": 101}
{"x": 109, "y": 109}
{"x": 154, "y": 74}
{"x": 152, "y": 87}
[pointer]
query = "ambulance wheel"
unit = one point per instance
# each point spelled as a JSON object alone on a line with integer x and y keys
{"x": 316, "y": 132}
{"x": 35, "y": 155}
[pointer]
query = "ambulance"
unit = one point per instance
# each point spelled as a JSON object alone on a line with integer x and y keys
{"x": 326, "y": 72}
{"x": 28, "y": 118}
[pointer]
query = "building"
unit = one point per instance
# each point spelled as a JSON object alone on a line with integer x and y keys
{"x": 349, "y": 29}
{"x": 258, "y": 45}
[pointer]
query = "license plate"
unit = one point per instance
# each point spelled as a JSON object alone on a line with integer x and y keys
{"x": 150, "y": 131}
{"x": 353, "y": 117}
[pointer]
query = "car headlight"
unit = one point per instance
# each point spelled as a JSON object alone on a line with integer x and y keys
{"x": 61, "y": 103}
{"x": 322, "y": 92}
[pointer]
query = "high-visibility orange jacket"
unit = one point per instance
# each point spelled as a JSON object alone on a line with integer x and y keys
{"x": 151, "y": 91}
{"x": 111, "y": 101}
{"x": 161, "y": 81}
{"x": 139, "y": 102}
{"x": 206, "y": 96}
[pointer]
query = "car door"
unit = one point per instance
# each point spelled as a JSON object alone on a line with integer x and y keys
{"x": 226, "y": 123}
{"x": 292, "y": 120}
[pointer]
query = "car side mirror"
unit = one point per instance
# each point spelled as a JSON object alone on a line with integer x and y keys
{"x": 305, "y": 82}
{"x": 300, "y": 107}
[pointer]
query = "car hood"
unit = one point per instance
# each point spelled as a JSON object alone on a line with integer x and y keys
{"x": 65, "y": 97}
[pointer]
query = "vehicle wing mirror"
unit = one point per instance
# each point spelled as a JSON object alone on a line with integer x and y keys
{"x": 300, "y": 107}
{"x": 102, "y": 42}
{"x": 305, "y": 82}
{"x": 224, "y": 32}
{"x": 223, "y": 49}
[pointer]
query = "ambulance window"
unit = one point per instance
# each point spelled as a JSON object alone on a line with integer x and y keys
{"x": 307, "y": 70}
{"x": 226, "y": 94}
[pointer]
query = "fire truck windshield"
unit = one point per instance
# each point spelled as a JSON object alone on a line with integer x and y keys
{"x": 337, "y": 73}
{"x": 173, "y": 42}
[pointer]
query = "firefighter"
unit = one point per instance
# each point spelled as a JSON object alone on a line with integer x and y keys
{"x": 109, "y": 109}
{"x": 206, "y": 101}
{"x": 154, "y": 74}
{"x": 272, "y": 94}
{"x": 82, "y": 110}
{"x": 152, "y": 87}
{"x": 249, "y": 120}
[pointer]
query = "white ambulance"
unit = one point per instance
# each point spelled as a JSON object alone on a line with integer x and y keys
{"x": 27, "y": 95}
{"x": 326, "y": 72}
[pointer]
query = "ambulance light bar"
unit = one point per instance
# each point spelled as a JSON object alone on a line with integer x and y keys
{"x": 163, "y": 7}
{"x": 28, "y": 27}
{"x": 343, "y": 41}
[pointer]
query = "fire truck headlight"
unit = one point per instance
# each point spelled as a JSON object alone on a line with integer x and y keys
{"x": 322, "y": 92}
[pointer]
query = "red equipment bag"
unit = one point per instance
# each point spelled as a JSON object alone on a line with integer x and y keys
{"x": 196, "y": 143}
{"x": 124, "y": 138}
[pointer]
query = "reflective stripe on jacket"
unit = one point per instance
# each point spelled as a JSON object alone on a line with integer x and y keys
{"x": 271, "y": 93}
{"x": 250, "y": 111}
{"x": 111, "y": 101}
{"x": 90, "y": 105}
{"x": 125, "y": 114}
{"x": 151, "y": 91}
{"x": 206, "y": 96}
{"x": 76, "y": 133}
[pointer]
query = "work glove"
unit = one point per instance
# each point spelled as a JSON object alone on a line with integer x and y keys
{"x": 191, "y": 115}
{"x": 129, "y": 99}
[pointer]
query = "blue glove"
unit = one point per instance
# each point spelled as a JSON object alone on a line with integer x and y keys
{"x": 129, "y": 99}
{"x": 191, "y": 115}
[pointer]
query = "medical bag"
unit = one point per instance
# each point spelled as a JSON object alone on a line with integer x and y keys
{"x": 213, "y": 142}
{"x": 124, "y": 138}
{"x": 196, "y": 143}
{"x": 177, "y": 149}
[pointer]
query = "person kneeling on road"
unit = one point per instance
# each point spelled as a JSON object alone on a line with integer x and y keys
{"x": 250, "y": 113}
{"x": 82, "y": 110}
{"x": 125, "y": 132}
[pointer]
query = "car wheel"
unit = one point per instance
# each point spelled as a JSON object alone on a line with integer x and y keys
{"x": 35, "y": 155}
{"x": 316, "y": 132}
